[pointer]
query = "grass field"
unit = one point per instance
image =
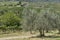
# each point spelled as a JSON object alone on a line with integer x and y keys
{"x": 15, "y": 34}
{"x": 49, "y": 36}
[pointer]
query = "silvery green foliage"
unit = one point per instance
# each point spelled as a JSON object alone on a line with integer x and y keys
{"x": 51, "y": 18}
{"x": 34, "y": 20}
{"x": 29, "y": 17}
{"x": 58, "y": 21}
{"x": 41, "y": 22}
{"x": 46, "y": 19}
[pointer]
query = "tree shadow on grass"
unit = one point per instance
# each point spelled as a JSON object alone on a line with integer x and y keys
{"x": 50, "y": 36}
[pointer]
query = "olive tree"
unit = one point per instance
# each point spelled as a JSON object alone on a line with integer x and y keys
{"x": 41, "y": 21}
{"x": 29, "y": 17}
{"x": 57, "y": 22}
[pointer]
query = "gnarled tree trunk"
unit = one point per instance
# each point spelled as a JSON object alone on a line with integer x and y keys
{"x": 42, "y": 34}
{"x": 47, "y": 31}
{"x": 59, "y": 31}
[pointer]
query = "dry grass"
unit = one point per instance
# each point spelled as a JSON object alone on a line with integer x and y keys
{"x": 49, "y": 36}
{"x": 38, "y": 39}
{"x": 15, "y": 34}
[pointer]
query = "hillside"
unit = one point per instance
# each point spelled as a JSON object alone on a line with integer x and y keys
{"x": 33, "y": 0}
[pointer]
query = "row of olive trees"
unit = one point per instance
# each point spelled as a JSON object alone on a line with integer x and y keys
{"x": 45, "y": 20}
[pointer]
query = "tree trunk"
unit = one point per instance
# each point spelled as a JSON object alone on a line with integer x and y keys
{"x": 31, "y": 31}
{"x": 47, "y": 31}
{"x": 59, "y": 31}
{"x": 41, "y": 32}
